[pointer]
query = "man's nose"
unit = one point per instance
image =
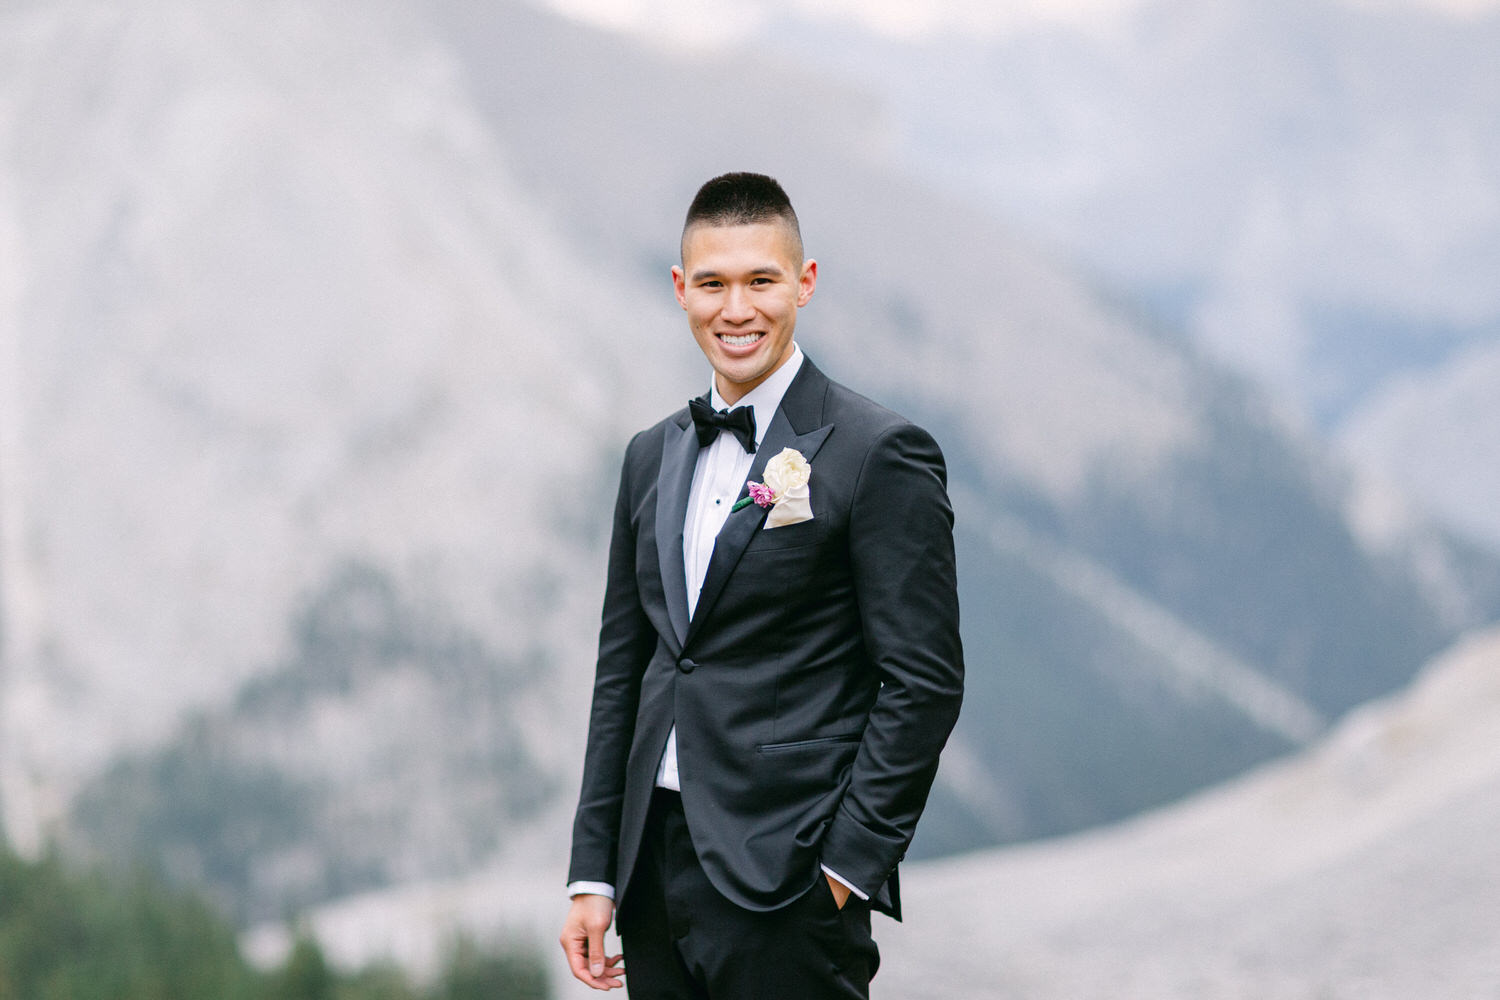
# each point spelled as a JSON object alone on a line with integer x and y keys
{"x": 738, "y": 308}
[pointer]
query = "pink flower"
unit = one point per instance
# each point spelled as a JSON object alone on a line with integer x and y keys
{"x": 762, "y": 494}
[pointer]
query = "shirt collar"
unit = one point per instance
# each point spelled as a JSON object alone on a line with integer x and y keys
{"x": 766, "y": 397}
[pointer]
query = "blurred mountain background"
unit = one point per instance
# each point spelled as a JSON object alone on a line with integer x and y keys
{"x": 322, "y": 330}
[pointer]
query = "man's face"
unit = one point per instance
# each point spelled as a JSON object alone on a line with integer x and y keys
{"x": 741, "y": 287}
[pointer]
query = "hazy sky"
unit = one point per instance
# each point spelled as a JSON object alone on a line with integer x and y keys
{"x": 717, "y": 20}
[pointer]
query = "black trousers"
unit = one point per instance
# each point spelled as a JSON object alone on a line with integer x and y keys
{"x": 684, "y": 941}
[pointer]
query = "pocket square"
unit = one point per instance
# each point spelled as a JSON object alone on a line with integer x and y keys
{"x": 791, "y": 509}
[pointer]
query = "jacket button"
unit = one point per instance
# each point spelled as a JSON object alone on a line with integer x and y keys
{"x": 686, "y": 666}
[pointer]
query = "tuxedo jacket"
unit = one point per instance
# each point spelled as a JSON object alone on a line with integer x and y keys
{"x": 818, "y": 677}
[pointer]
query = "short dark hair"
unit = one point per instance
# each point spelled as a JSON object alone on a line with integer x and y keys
{"x": 742, "y": 199}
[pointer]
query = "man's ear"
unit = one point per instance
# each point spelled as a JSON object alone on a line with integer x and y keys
{"x": 807, "y": 282}
{"x": 679, "y": 285}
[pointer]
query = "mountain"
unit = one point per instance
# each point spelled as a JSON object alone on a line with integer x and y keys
{"x": 300, "y": 444}
{"x": 285, "y": 378}
{"x": 1306, "y": 187}
{"x": 323, "y": 340}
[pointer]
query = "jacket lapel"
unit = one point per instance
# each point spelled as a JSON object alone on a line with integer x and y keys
{"x": 796, "y": 425}
{"x": 673, "y": 482}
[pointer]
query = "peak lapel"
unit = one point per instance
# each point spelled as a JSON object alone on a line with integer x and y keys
{"x": 679, "y": 456}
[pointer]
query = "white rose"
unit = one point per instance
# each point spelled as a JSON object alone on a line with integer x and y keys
{"x": 787, "y": 476}
{"x": 787, "y": 473}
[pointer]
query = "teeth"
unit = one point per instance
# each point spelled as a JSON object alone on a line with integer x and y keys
{"x": 743, "y": 340}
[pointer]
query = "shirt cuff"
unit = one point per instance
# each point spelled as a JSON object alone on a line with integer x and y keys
{"x": 598, "y": 888}
{"x": 844, "y": 882}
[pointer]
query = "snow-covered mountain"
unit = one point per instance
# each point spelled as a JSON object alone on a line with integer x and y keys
{"x": 323, "y": 333}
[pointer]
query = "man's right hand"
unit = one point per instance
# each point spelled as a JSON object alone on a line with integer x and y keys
{"x": 583, "y": 941}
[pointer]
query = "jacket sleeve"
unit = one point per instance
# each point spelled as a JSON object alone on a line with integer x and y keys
{"x": 626, "y": 641}
{"x": 901, "y": 552}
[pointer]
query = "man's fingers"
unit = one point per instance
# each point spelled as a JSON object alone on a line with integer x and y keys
{"x": 608, "y": 981}
{"x": 582, "y": 967}
{"x": 596, "y": 951}
{"x": 841, "y": 892}
{"x": 574, "y": 943}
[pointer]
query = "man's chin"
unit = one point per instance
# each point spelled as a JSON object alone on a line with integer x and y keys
{"x": 741, "y": 378}
{"x": 742, "y": 373}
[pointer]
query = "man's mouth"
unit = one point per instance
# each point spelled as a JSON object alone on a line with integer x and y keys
{"x": 740, "y": 339}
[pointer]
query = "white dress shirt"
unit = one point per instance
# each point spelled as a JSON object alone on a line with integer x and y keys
{"x": 723, "y": 466}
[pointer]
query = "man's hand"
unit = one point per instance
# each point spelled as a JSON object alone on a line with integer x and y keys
{"x": 840, "y": 890}
{"x": 583, "y": 941}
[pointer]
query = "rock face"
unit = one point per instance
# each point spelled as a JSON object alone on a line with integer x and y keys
{"x": 322, "y": 338}
{"x": 287, "y": 350}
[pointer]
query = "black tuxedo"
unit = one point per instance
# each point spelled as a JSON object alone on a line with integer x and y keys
{"x": 818, "y": 679}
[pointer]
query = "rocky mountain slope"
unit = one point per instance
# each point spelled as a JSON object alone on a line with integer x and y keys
{"x": 1364, "y": 867}
{"x": 283, "y": 338}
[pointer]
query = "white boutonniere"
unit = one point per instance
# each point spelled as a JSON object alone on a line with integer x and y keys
{"x": 785, "y": 490}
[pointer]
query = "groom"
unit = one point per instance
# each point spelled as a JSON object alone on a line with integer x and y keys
{"x": 779, "y": 661}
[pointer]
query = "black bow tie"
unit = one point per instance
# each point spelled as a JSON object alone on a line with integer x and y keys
{"x": 739, "y": 421}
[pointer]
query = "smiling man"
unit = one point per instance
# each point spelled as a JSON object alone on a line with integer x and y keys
{"x": 779, "y": 662}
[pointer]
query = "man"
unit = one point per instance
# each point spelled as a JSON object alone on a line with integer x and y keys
{"x": 779, "y": 662}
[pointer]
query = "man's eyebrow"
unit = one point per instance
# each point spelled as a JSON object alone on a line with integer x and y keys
{"x": 766, "y": 270}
